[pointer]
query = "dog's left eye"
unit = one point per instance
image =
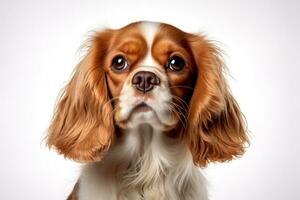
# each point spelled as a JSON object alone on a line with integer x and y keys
{"x": 119, "y": 63}
{"x": 176, "y": 63}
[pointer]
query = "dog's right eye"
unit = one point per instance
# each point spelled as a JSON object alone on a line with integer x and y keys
{"x": 119, "y": 63}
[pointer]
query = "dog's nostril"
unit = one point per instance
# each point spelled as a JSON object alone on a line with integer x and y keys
{"x": 136, "y": 80}
{"x": 144, "y": 81}
{"x": 153, "y": 80}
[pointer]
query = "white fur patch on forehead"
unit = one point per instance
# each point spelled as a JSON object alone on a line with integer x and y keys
{"x": 149, "y": 30}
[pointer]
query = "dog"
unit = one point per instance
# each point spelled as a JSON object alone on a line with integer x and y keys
{"x": 145, "y": 108}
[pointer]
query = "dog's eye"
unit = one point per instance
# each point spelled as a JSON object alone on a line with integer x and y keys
{"x": 119, "y": 63}
{"x": 176, "y": 63}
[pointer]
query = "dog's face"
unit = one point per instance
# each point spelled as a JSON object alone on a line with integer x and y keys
{"x": 149, "y": 73}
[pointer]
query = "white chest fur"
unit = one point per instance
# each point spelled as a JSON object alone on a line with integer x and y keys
{"x": 144, "y": 164}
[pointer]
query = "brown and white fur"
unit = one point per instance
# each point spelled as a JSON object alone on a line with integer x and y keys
{"x": 147, "y": 141}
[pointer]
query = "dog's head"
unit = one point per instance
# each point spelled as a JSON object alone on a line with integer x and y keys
{"x": 149, "y": 73}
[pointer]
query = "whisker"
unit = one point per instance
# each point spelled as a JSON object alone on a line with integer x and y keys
{"x": 181, "y": 101}
{"x": 179, "y": 106}
{"x": 172, "y": 110}
{"x": 178, "y": 115}
{"x": 111, "y": 113}
{"x": 182, "y": 114}
{"x": 111, "y": 100}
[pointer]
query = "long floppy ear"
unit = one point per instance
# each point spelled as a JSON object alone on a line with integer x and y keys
{"x": 216, "y": 129}
{"x": 82, "y": 128}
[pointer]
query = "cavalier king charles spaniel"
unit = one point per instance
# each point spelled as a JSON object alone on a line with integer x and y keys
{"x": 145, "y": 107}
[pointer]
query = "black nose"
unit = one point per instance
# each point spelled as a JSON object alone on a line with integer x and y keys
{"x": 145, "y": 81}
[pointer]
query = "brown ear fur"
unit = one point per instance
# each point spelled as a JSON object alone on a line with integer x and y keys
{"x": 82, "y": 128}
{"x": 216, "y": 129}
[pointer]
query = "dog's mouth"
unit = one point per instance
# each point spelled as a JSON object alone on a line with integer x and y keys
{"x": 141, "y": 107}
{"x": 142, "y": 113}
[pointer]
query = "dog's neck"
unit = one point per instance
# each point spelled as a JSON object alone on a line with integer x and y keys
{"x": 142, "y": 162}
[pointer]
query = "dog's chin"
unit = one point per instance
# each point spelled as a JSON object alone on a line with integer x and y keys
{"x": 144, "y": 114}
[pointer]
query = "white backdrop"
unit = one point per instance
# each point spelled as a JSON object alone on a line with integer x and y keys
{"x": 38, "y": 50}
